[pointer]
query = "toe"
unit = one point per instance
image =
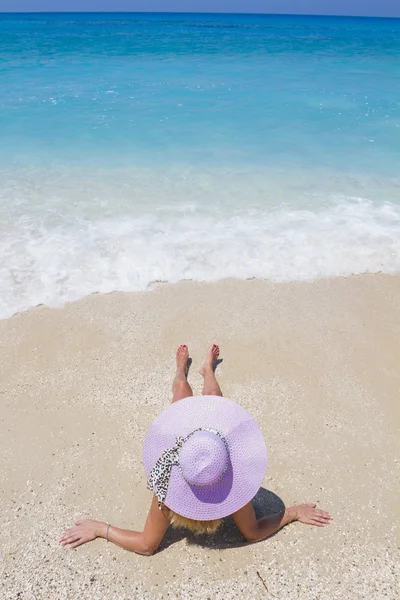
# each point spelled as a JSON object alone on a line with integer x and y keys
{"x": 182, "y": 353}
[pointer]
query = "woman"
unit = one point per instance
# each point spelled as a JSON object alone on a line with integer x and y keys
{"x": 205, "y": 459}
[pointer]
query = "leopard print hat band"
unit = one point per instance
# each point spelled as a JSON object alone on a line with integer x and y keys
{"x": 160, "y": 474}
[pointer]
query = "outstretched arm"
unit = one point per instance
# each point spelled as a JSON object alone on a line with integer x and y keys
{"x": 142, "y": 542}
{"x": 254, "y": 530}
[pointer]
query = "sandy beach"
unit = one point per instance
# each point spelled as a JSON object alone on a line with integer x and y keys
{"x": 317, "y": 364}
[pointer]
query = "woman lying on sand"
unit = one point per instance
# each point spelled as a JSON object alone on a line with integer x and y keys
{"x": 205, "y": 459}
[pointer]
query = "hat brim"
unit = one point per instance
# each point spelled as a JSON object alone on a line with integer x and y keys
{"x": 248, "y": 456}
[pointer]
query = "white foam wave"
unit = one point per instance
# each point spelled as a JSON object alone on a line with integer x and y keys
{"x": 63, "y": 263}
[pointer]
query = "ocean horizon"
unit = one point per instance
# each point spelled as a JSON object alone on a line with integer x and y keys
{"x": 194, "y": 13}
{"x": 146, "y": 147}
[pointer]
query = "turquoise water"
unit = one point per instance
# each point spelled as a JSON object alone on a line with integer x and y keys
{"x": 140, "y": 148}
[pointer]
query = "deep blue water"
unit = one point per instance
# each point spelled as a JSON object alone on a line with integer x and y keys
{"x": 201, "y": 88}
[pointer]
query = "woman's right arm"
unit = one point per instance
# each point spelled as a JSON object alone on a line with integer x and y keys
{"x": 254, "y": 530}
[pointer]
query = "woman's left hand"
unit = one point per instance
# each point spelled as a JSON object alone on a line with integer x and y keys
{"x": 84, "y": 531}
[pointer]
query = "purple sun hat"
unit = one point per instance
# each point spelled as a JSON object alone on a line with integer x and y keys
{"x": 205, "y": 457}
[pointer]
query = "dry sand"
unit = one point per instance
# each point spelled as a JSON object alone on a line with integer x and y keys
{"x": 316, "y": 363}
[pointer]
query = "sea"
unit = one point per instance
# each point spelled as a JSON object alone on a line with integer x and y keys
{"x": 145, "y": 148}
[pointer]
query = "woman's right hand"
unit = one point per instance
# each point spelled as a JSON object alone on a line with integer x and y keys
{"x": 310, "y": 515}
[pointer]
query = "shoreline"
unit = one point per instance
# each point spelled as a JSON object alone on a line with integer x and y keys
{"x": 123, "y": 232}
{"x": 315, "y": 363}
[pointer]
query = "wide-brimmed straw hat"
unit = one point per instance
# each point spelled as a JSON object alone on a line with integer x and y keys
{"x": 205, "y": 457}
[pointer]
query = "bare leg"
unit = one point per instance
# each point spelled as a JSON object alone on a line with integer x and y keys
{"x": 211, "y": 386}
{"x": 180, "y": 387}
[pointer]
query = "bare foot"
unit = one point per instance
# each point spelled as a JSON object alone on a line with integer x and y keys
{"x": 182, "y": 357}
{"x": 211, "y": 359}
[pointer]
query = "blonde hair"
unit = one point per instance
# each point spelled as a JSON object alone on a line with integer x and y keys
{"x": 197, "y": 527}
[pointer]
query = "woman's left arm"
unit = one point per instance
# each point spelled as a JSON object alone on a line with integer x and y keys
{"x": 142, "y": 542}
